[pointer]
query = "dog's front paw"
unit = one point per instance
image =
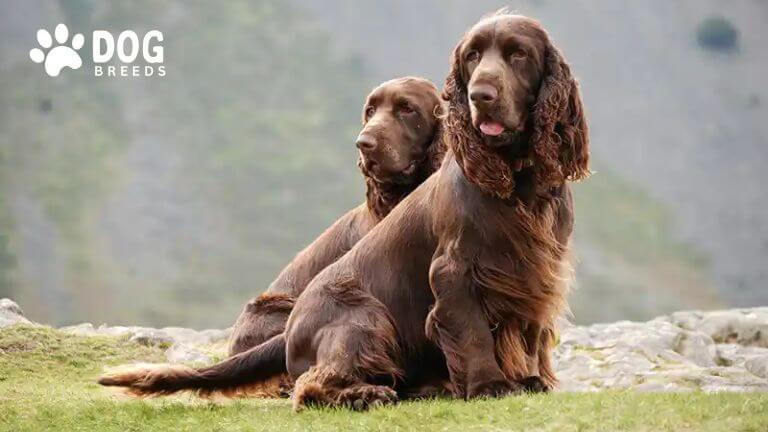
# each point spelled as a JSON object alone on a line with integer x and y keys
{"x": 493, "y": 389}
{"x": 363, "y": 397}
{"x": 534, "y": 384}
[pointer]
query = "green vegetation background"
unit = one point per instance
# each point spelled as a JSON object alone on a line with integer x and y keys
{"x": 258, "y": 113}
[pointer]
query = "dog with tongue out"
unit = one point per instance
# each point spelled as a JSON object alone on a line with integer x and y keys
{"x": 491, "y": 128}
{"x": 498, "y": 122}
{"x": 486, "y": 105}
{"x": 493, "y": 131}
{"x": 497, "y": 109}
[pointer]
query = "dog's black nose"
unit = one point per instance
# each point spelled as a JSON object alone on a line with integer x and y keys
{"x": 483, "y": 94}
{"x": 365, "y": 142}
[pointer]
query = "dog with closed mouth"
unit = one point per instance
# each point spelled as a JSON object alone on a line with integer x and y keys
{"x": 399, "y": 147}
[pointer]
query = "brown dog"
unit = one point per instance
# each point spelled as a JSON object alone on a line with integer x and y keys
{"x": 476, "y": 255}
{"x": 399, "y": 148}
{"x": 398, "y": 151}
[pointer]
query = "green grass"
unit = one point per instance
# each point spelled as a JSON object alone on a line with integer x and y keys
{"x": 47, "y": 383}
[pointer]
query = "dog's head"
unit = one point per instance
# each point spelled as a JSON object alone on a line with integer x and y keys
{"x": 513, "y": 104}
{"x": 398, "y": 143}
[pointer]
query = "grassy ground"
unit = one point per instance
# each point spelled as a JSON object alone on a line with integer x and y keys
{"x": 47, "y": 383}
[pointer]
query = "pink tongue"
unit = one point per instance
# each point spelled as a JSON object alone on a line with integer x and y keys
{"x": 491, "y": 128}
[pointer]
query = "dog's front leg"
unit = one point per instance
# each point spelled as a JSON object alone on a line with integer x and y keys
{"x": 459, "y": 327}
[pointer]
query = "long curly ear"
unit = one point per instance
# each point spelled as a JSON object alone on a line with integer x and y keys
{"x": 481, "y": 165}
{"x": 437, "y": 147}
{"x": 560, "y": 134}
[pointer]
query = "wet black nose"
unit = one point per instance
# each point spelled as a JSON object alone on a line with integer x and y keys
{"x": 366, "y": 142}
{"x": 483, "y": 94}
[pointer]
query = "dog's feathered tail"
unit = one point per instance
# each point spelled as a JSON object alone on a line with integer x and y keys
{"x": 259, "y": 371}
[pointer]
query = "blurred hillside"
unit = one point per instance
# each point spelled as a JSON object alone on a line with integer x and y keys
{"x": 172, "y": 201}
{"x": 684, "y": 123}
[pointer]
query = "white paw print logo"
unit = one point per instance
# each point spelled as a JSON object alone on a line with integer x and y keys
{"x": 60, "y": 56}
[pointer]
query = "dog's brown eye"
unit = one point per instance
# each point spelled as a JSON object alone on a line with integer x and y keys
{"x": 518, "y": 55}
{"x": 407, "y": 109}
{"x": 369, "y": 111}
{"x": 472, "y": 56}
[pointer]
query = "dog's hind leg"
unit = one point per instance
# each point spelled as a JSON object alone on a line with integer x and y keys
{"x": 326, "y": 385}
{"x": 347, "y": 361}
{"x": 262, "y": 318}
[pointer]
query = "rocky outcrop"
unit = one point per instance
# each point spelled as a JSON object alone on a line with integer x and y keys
{"x": 183, "y": 345}
{"x": 11, "y": 313}
{"x": 711, "y": 351}
{"x": 152, "y": 336}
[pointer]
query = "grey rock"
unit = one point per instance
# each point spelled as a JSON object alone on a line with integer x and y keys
{"x": 88, "y": 329}
{"x": 194, "y": 337}
{"x": 737, "y": 355}
{"x": 84, "y": 329}
{"x": 151, "y": 337}
{"x": 758, "y": 365}
{"x": 697, "y": 347}
{"x": 11, "y": 313}
{"x": 693, "y": 350}
{"x": 747, "y": 327}
{"x": 186, "y": 345}
{"x": 182, "y": 353}
{"x": 10, "y": 306}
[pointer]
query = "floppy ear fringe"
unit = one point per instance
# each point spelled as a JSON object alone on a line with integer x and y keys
{"x": 437, "y": 147}
{"x": 560, "y": 138}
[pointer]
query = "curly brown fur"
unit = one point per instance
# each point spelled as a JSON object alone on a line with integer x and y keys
{"x": 559, "y": 144}
{"x": 501, "y": 58}
{"x": 560, "y": 135}
{"x": 486, "y": 168}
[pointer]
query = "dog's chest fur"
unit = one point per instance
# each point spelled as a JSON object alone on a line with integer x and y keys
{"x": 517, "y": 248}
